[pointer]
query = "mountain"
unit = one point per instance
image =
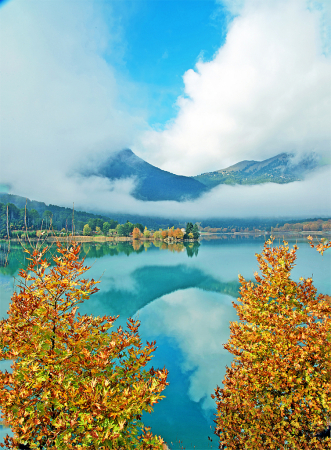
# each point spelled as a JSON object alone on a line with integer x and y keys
{"x": 152, "y": 183}
{"x": 278, "y": 169}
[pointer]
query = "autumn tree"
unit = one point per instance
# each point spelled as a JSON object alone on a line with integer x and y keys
{"x": 171, "y": 233}
{"x": 178, "y": 234}
{"x": 321, "y": 245}
{"x": 277, "y": 392}
{"x": 164, "y": 234}
{"x": 139, "y": 226}
{"x": 74, "y": 383}
{"x": 136, "y": 233}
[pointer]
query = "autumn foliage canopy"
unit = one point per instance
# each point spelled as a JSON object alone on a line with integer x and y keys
{"x": 74, "y": 384}
{"x": 136, "y": 233}
{"x": 277, "y": 392}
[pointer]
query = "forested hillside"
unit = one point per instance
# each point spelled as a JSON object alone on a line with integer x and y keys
{"x": 278, "y": 169}
{"x": 152, "y": 183}
{"x": 39, "y": 212}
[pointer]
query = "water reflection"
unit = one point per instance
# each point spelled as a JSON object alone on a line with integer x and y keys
{"x": 182, "y": 293}
{"x": 115, "y": 248}
{"x": 199, "y": 321}
{"x": 132, "y": 291}
{"x": 12, "y": 259}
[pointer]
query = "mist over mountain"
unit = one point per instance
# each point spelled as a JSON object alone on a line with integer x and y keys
{"x": 151, "y": 183}
{"x": 278, "y": 169}
{"x": 154, "y": 184}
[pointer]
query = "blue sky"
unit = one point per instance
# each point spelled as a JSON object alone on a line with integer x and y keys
{"x": 191, "y": 86}
{"x": 160, "y": 41}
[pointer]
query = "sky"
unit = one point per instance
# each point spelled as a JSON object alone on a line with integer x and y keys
{"x": 190, "y": 86}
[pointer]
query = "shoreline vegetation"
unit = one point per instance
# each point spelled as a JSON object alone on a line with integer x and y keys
{"x": 203, "y": 235}
{"x": 20, "y": 216}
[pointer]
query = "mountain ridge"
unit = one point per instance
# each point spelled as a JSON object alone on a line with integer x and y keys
{"x": 155, "y": 184}
{"x": 152, "y": 183}
{"x": 277, "y": 169}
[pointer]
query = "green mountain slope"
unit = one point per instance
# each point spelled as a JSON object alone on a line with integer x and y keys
{"x": 278, "y": 169}
{"x": 153, "y": 184}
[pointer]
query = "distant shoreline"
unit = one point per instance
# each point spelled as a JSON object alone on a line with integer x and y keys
{"x": 79, "y": 238}
{"x": 262, "y": 232}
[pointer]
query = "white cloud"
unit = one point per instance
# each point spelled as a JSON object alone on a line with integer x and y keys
{"x": 266, "y": 91}
{"x": 302, "y": 199}
{"x": 60, "y": 100}
{"x": 199, "y": 321}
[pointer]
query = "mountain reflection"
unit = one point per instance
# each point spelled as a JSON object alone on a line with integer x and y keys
{"x": 182, "y": 294}
{"x": 153, "y": 282}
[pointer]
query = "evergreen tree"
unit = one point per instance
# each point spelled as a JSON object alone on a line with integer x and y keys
{"x": 195, "y": 232}
{"x": 189, "y": 228}
{"x": 106, "y": 228}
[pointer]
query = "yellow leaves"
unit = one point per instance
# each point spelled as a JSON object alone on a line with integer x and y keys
{"x": 280, "y": 377}
{"x": 67, "y": 362}
{"x": 121, "y": 424}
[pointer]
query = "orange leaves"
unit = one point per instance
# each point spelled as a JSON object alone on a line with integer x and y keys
{"x": 277, "y": 393}
{"x": 69, "y": 387}
{"x": 178, "y": 234}
{"x": 321, "y": 246}
{"x": 136, "y": 233}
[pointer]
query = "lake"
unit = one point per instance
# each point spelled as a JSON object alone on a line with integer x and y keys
{"x": 182, "y": 294}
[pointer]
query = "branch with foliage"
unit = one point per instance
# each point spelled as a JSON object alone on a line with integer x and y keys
{"x": 277, "y": 392}
{"x": 321, "y": 245}
{"x": 74, "y": 383}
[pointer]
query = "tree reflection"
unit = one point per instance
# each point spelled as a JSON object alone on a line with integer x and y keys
{"x": 192, "y": 248}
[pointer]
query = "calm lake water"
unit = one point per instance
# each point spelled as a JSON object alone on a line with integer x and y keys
{"x": 183, "y": 297}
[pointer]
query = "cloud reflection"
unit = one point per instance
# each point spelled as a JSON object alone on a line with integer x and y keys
{"x": 199, "y": 321}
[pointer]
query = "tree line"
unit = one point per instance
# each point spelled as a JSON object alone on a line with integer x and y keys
{"x": 62, "y": 219}
{"x": 307, "y": 225}
{"x": 21, "y": 221}
{"x": 56, "y": 217}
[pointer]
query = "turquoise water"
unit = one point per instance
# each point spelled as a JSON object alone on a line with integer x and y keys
{"x": 183, "y": 298}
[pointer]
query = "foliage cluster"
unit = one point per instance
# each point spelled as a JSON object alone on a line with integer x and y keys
{"x": 192, "y": 231}
{"x": 136, "y": 233}
{"x": 74, "y": 384}
{"x": 277, "y": 392}
{"x": 259, "y": 224}
{"x": 169, "y": 234}
{"x": 314, "y": 225}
